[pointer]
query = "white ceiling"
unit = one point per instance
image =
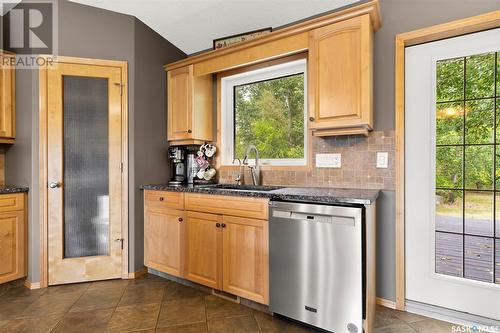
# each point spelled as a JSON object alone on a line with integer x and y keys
{"x": 191, "y": 25}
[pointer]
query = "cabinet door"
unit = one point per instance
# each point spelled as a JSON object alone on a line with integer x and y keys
{"x": 12, "y": 246}
{"x": 7, "y": 99}
{"x": 340, "y": 75}
{"x": 164, "y": 240}
{"x": 179, "y": 99}
{"x": 246, "y": 258}
{"x": 204, "y": 249}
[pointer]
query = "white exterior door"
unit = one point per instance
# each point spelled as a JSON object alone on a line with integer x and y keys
{"x": 452, "y": 173}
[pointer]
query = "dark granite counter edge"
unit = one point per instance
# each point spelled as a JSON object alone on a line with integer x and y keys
{"x": 276, "y": 194}
{"x": 6, "y": 189}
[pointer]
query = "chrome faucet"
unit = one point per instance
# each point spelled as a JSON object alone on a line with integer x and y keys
{"x": 239, "y": 177}
{"x": 255, "y": 170}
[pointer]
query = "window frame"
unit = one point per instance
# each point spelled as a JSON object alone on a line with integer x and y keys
{"x": 227, "y": 121}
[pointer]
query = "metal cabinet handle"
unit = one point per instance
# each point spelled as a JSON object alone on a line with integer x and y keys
{"x": 55, "y": 184}
{"x": 181, "y": 219}
{"x": 311, "y": 119}
{"x": 223, "y": 225}
{"x": 161, "y": 199}
{"x": 217, "y": 225}
{"x": 189, "y": 131}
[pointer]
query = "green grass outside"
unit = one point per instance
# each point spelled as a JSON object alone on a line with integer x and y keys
{"x": 478, "y": 205}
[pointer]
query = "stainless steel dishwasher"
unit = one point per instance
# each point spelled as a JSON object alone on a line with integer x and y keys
{"x": 316, "y": 265}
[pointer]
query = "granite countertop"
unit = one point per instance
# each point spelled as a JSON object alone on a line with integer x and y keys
{"x": 302, "y": 194}
{"x": 5, "y": 189}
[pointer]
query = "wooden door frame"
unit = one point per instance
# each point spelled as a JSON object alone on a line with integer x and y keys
{"x": 43, "y": 150}
{"x": 456, "y": 28}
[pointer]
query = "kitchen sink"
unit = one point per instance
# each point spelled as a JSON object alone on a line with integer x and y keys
{"x": 242, "y": 188}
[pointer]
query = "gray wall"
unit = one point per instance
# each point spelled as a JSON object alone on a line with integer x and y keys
{"x": 151, "y": 165}
{"x": 95, "y": 33}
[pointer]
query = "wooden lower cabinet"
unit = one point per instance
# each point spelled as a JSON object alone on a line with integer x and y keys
{"x": 13, "y": 240}
{"x": 246, "y": 258}
{"x": 204, "y": 249}
{"x": 219, "y": 251}
{"x": 164, "y": 240}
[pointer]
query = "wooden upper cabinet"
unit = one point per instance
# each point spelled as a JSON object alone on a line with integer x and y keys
{"x": 7, "y": 99}
{"x": 164, "y": 240}
{"x": 13, "y": 238}
{"x": 190, "y": 110}
{"x": 204, "y": 249}
{"x": 340, "y": 78}
{"x": 246, "y": 258}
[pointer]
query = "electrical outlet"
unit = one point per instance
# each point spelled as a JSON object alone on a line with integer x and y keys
{"x": 328, "y": 160}
{"x": 382, "y": 160}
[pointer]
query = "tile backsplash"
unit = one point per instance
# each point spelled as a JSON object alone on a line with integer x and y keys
{"x": 359, "y": 165}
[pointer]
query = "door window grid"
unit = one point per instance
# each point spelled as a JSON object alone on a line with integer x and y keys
{"x": 467, "y": 243}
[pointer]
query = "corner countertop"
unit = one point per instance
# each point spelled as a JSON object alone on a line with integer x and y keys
{"x": 6, "y": 189}
{"x": 302, "y": 194}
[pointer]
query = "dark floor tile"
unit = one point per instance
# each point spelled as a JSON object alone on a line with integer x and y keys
{"x": 73, "y": 288}
{"x": 183, "y": 311}
{"x": 270, "y": 324}
{"x": 240, "y": 324}
{"x": 192, "y": 328}
{"x": 24, "y": 292}
{"x": 148, "y": 278}
{"x": 53, "y": 303}
{"x": 176, "y": 290}
{"x": 386, "y": 317}
{"x": 433, "y": 326}
{"x": 11, "y": 308}
{"x": 94, "y": 299}
{"x": 398, "y": 328}
{"x": 143, "y": 294}
{"x": 87, "y": 321}
{"x": 221, "y": 308}
{"x": 408, "y": 317}
{"x": 30, "y": 325}
{"x": 108, "y": 284}
{"x": 134, "y": 318}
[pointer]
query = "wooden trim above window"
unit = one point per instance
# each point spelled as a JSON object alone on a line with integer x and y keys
{"x": 442, "y": 31}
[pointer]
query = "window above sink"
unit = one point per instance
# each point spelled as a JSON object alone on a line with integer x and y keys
{"x": 266, "y": 108}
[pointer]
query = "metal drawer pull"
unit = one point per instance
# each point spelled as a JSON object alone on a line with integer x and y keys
{"x": 161, "y": 199}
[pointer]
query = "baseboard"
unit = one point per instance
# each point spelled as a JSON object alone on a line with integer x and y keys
{"x": 138, "y": 274}
{"x": 387, "y": 303}
{"x": 466, "y": 321}
{"x": 31, "y": 285}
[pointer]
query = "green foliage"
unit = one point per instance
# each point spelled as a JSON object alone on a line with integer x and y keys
{"x": 450, "y": 80}
{"x": 270, "y": 115}
{"x": 466, "y": 119}
{"x": 480, "y": 76}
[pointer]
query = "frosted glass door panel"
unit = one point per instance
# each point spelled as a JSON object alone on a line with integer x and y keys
{"x": 86, "y": 166}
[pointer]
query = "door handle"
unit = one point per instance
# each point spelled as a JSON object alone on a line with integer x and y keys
{"x": 121, "y": 242}
{"x": 55, "y": 184}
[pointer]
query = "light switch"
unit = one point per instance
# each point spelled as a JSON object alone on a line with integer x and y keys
{"x": 328, "y": 160}
{"x": 382, "y": 160}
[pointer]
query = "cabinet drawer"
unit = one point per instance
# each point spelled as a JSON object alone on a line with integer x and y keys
{"x": 256, "y": 208}
{"x": 163, "y": 199}
{"x": 9, "y": 202}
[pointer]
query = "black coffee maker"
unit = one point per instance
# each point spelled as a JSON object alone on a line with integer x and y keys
{"x": 177, "y": 156}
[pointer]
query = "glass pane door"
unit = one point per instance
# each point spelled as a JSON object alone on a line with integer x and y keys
{"x": 86, "y": 169}
{"x": 467, "y": 220}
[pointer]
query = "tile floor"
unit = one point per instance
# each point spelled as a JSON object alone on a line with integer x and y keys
{"x": 153, "y": 304}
